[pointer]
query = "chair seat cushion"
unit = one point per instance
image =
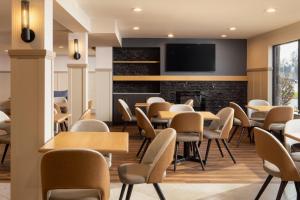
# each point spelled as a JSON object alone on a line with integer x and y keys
{"x": 258, "y": 119}
{"x": 254, "y": 123}
{"x": 108, "y": 159}
{"x": 157, "y": 131}
{"x": 271, "y": 169}
{"x": 237, "y": 122}
{"x": 295, "y": 156}
{"x": 133, "y": 173}
{"x": 211, "y": 134}
{"x": 187, "y": 137}
{"x": 276, "y": 127}
{"x": 158, "y": 120}
{"x": 74, "y": 194}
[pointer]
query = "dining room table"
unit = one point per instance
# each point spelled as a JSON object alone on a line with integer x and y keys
{"x": 294, "y": 136}
{"x": 260, "y": 108}
{"x": 168, "y": 115}
{"x": 104, "y": 142}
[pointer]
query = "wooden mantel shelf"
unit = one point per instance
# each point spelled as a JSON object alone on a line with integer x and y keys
{"x": 180, "y": 78}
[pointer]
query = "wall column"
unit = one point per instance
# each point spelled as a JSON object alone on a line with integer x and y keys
{"x": 103, "y": 81}
{"x": 32, "y": 97}
{"x": 78, "y": 76}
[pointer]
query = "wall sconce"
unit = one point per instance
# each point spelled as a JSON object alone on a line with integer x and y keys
{"x": 27, "y": 34}
{"x": 76, "y": 50}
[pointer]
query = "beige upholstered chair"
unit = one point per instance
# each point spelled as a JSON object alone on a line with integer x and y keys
{"x": 189, "y": 128}
{"x": 151, "y": 100}
{"x": 276, "y": 161}
{"x": 127, "y": 116}
{"x": 74, "y": 174}
{"x": 189, "y": 102}
{"x": 153, "y": 166}
{"x": 92, "y": 125}
{"x": 220, "y": 130}
{"x": 241, "y": 120}
{"x": 256, "y": 115}
{"x": 181, "y": 108}
{"x": 148, "y": 131}
{"x": 152, "y": 114}
{"x": 292, "y": 146}
{"x": 4, "y": 133}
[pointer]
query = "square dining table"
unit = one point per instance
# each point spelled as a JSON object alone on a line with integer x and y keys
{"x": 170, "y": 114}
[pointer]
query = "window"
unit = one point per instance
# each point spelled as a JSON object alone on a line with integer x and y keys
{"x": 285, "y": 74}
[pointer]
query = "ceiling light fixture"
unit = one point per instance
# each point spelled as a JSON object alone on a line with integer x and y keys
{"x": 170, "y": 35}
{"x": 136, "y": 28}
{"x": 270, "y": 10}
{"x": 137, "y": 9}
{"x": 223, "y": 36}
{"x": 232, "y": 28}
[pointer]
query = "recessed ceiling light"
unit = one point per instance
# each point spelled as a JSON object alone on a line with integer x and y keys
{"x": 137, "y": 9}
{"x": 223, "y": 36}
{"x": 136, "y": 28}
{"x": 270, "y": 10}
{"x": 60, "y": 47}
{"x": 232, "y": 28}
{"x": 170, "y": 35}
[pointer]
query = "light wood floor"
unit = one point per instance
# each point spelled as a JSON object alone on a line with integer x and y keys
{"x": 218, "y": 170}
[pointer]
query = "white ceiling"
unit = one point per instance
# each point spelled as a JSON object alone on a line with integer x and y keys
{"x": 193, "y": 18}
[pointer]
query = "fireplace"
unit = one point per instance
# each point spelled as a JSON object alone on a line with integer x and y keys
{"x": 199, "y": 99}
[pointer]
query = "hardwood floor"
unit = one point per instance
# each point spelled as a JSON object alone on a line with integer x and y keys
{"x": 218, "y": 170}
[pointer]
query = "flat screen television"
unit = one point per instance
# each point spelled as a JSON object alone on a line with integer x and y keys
{"x": 190, "y": 57}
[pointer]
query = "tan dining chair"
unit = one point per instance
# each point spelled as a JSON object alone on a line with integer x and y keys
{"x": 189, "y": 102}
{"x": 92, "y": 125}
{"x": 127, "y": 116}
{"x": 5, "y": 126}
{"x": 189, "y": 128}
{"x": 257, "y": 115}
{"x": 148, "y": 131}
{"x": 276, "y": 162}
{"x": 74, "y": 174}
{"x": 151, "y": 100}
{"x": 181, "y": 108}
{"x": 219, "y": 130}
{"x": 153, "y": 166}
{"x": 58, "y": 110}
{"x": 58, "y": 100}
{"x": 292, "y": 146}
{"x": 241, "y": 120}
{"x": 152, "y": 114}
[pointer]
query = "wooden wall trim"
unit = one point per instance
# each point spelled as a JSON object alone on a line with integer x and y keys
{"x": 180, "y": 78}
{"x": 261, "y": 69}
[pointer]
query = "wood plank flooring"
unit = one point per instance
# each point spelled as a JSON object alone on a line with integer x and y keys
{"x": 218, "y": 170}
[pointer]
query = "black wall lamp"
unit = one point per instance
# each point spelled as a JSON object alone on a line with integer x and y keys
{"x": 27, "y": 34}
{"x": 76, "y": 50}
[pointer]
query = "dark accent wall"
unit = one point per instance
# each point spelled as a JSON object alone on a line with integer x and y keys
{"x": 231, "y": 54}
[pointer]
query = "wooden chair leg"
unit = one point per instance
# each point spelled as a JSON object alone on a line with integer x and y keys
{"x": 122, "y": 191}
{"x": 200, "y": 158}
{"x": 281, "y": 189}
{"x": 263, "y": 187}
{"x": 207, "y": 151}
{"x": 4, "y": 153}
{"x": 240, "y": 138}
{"x": 219, "y": 147}
{"x": 175, "y": 156}
{"x": 233, "y": 133}
{"x": 141, "y": 148}
{"x": 145, "y": 149}
{"x": 129, "y": 191}
{"x": 227, "y": 148}
{"x": 159, "y": 192}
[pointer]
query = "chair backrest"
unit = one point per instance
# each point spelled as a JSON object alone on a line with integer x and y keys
{"x": 151, "y": 100}
{"x": 154, "y": 108}
{"x": 240, "y": 114}
{"x": 159, "y": 155}
{"x": 292, "y": 127}
{"x": 89, "y": 125}
{"x": 188, "y": 122}
{"x": 125, "y": 110}
{"x": 271, "y": 150}
{"x": 75, "y": 169}
{"x": 256, "y": 102}
{"x": 189, "y": 102}
{"x": 181, "y": 108}
{"x": 225, "y": 122}
{"x": 60, "y": 100}
{"x": 280, "y": 114}
{"x": 57, "y": 108}
{"x": 144, "y": 123}
{"x": 85, "y": 114}
{"x": 3, "y": 116}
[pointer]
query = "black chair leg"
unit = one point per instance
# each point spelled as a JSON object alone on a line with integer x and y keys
{"x": 227, "y": 148}
{"x": 207, "y": 151}
{"x": 124, "y": 127}
{"x": 129, "y": 191}
{"x": 219, "y": 147}
{"x": 159, "y": 192}
{"x": 175, "y": 157}
{"x": 263, "y": 187}
{"x": 65, "y": 124}
{"x": 249, "y": 134}
{"x": 4, "y": 153}
{"x": 200, "y": 158}
{"x": 61, "y": 126}
{"x": 141, "y": 148}
{"x": 233, "y": 133}
{"x": 122, "y": 191}
{"x": 281, "y": 189}
{"x": 145, "y": 149}
{"x": 240, "y": 138}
